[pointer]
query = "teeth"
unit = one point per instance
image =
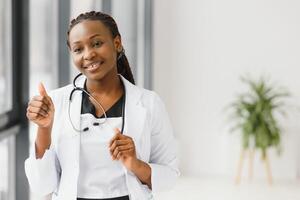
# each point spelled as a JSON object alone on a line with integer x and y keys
{"x": 93, "y": 65}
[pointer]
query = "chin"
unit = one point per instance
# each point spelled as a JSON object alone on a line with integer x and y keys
{"x": 100, "y": 74}
{"x": 95, "y": 76}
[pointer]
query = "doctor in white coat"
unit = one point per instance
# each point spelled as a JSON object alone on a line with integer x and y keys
{"x": 132, "y": 159}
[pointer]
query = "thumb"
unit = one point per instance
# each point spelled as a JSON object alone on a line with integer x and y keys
{"x": 42, "y": 90}
{"x": 117, "y": 131}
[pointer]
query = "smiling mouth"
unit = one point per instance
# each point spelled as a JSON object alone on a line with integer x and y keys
{"x": 93, "y": 66}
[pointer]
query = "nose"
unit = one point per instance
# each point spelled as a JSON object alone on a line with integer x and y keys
{"x": 89, "y": 54}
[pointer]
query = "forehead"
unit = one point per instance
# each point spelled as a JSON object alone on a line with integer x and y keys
{"x": 87, "y": 28}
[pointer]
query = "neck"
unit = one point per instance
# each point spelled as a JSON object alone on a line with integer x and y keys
{"x": 107, "y": 86}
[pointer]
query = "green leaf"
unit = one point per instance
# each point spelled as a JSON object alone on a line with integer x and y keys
{"x": 253, "y": 111}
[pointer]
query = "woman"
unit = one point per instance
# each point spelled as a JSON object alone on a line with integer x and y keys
{"x": 100, "y": 137}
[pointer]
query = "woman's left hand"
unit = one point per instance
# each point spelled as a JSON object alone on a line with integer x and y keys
{"x": 122, "y": 148}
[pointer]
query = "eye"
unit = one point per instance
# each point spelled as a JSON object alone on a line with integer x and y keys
{"x": 97, "y": 43}
{"x": 77, "y": 50}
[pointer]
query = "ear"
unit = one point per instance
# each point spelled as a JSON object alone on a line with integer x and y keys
{"x": 118, "y": 43}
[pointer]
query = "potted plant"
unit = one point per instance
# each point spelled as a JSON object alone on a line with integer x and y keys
{"x": 253, "y": 114}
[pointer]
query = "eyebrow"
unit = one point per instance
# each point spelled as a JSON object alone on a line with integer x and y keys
{"x": 91, "y": 37}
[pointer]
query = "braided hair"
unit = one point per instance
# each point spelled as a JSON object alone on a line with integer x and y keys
{"x": 122, "y": 62}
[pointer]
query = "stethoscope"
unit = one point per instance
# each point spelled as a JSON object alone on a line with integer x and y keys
{"x": 76, "y": 88}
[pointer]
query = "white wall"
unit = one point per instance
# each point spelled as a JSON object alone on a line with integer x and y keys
{"x": 124, "y": 12}
{"x": 201, "y": 48}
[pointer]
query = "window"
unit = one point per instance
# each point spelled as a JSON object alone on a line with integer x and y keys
{"x": 6, "y": 97}
{"x": 5, "y": 56}
{"x": 134, "y": 20}
{"x": 43, "y": 66}
{"x": 13, "y": 92}
{"x": 6, "y": 167}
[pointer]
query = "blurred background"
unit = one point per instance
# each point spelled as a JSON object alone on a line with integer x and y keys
{"x": 193, "y": 54}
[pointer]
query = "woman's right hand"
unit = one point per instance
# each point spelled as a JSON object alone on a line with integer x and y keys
{"x": 40, "y": 109}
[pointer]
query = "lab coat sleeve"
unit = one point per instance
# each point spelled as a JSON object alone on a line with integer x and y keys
{"x": 43, "y": 174}
{"x": 163, "y": 154}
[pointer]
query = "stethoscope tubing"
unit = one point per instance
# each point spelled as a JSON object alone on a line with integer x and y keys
{"x": 76, "y": 88}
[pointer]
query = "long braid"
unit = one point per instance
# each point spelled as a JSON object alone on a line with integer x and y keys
{"x": 122, "y": 62}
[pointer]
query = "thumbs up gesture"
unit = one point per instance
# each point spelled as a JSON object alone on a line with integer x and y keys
{"x": 40, "y": 109}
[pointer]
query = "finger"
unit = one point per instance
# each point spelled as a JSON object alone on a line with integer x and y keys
{"x": 45, "y": 98}
{"x": 47, "y": 101}
{"x": 42, "y": 99}
{"x": 118, "y": 143}
{"x": 37, "y": 114}
{"x": 123, "y": 154}
{"x": 42, "y": 90}
{"x": 37, "y": 110}
{"x": 51, "y": 105}
{"x": 116, "y": 136}
{"x": 120, "y": 149}
{"x": 117, "y": 131}
{"x": 121, "y": 135}
{"x": 33, "y": 116}
{"x": 39, "y": 104}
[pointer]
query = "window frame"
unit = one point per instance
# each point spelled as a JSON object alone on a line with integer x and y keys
{"x": 20, "y": 86}
{"x": 13, "y": 122}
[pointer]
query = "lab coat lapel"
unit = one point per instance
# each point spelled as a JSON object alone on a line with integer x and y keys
{"x": 135, "y": 116}
{"x": 135, "y": 113}
{"x": 71, "y": 142}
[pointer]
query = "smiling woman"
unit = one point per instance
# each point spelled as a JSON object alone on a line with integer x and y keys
{"x": 124, "y": 147}
{"x": 97, "y": 34}
{"x": 93, "y": 50}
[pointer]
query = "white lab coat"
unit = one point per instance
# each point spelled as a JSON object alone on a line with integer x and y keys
{"x": 146, "y": 121}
